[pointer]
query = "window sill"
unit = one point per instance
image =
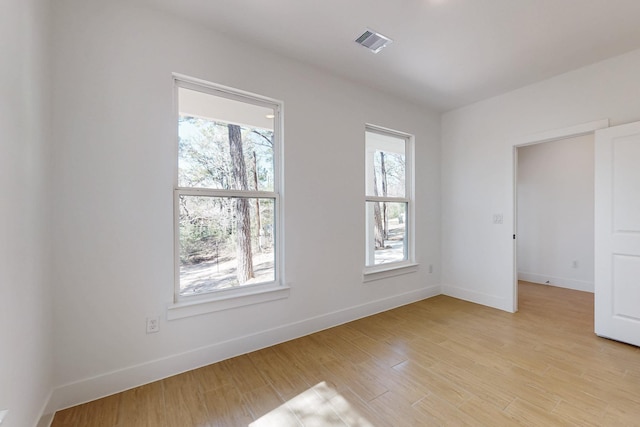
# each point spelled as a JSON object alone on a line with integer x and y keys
{"x": 385, "y": 271}
{"x": 226, "y": 301}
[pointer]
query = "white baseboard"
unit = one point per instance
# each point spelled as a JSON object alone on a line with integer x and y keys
{"x": 109, "y": 383}
{"x": 561, "y": 282}
{"x": 493, "y": 301}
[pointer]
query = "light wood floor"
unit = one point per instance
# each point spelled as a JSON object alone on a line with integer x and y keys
{"x": 440, "y": 361}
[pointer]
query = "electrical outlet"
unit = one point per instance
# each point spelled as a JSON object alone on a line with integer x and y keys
{"x": 430, "y": 268}
{"x": 2, "y": 415}
{"x": 497, "y": 218}
{"x": 153, "y": 324}
{"x": 574, "y": 264}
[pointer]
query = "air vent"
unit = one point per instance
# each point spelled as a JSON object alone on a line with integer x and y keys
{"x": 373, "y": 41}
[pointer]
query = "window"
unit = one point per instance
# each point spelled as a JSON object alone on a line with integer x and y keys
{"x": 388, "y": 199}
{"x": 227, "y": 202}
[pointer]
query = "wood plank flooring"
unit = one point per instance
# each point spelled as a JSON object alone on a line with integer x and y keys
{"x": 437, "y": 362}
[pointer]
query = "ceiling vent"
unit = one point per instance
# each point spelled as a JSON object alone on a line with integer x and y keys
{"x": 373, "y": 41}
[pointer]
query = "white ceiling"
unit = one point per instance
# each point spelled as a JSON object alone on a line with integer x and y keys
{"x": 445, "y": 53}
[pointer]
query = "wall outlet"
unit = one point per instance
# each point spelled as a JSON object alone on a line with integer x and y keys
{"x": 574, "y": 264}
{"x": 2, "y": 415}
{"x": 430, "y": 268}
{"x": 497, "y": 218}
{"x": 153, "y": 324}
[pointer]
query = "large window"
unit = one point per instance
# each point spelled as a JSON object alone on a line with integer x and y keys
{"x": 388, "y": 199}
{"x": 227, "y": 190}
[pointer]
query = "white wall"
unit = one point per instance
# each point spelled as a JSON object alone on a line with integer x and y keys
{"x": 25, "y": 293}
{"x": 112, "y": 221}
{"x": 555, "y": 212}
{"x": 477, "y": 167}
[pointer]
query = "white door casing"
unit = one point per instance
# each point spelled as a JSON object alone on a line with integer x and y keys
{"x": 617, "y": 233}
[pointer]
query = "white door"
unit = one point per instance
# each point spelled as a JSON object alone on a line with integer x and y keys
{"x": 617, "y": 233}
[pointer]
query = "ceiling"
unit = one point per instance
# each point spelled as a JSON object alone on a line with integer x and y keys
{"x": 445, "y": 53}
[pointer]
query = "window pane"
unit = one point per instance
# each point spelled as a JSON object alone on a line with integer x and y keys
{"x": 386, "y": 232}
{"x": 224, "y": 144}
{"x": 385, "y": 165}
{"x": 225, "y": 242}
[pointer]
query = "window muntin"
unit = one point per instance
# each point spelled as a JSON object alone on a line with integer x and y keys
{"x": 388, "y": 197}
{"x": 227, "y": 200}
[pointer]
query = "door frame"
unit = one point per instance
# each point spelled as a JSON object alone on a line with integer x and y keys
{"x": 539, "y": 138}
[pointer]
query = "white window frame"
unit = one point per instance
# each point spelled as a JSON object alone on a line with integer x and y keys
{"x": 184, "y": 306}
{"x": 381, "y": 271}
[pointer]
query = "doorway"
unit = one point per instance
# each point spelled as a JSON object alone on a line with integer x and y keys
{"x": 555, "y": 213}
{"x": 553, "y": 208}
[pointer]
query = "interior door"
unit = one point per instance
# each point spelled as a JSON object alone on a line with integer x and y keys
{"x": 617, "y": 233}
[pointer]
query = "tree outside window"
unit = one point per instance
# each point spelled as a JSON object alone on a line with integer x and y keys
{"x": 388, "y": 197}
{"x": 226, "y": 193}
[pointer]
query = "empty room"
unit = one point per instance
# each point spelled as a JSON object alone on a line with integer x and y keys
{"x": 296, "y": 213}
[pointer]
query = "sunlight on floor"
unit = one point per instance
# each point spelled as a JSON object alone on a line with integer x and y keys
{"x": 321, "y": 405}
